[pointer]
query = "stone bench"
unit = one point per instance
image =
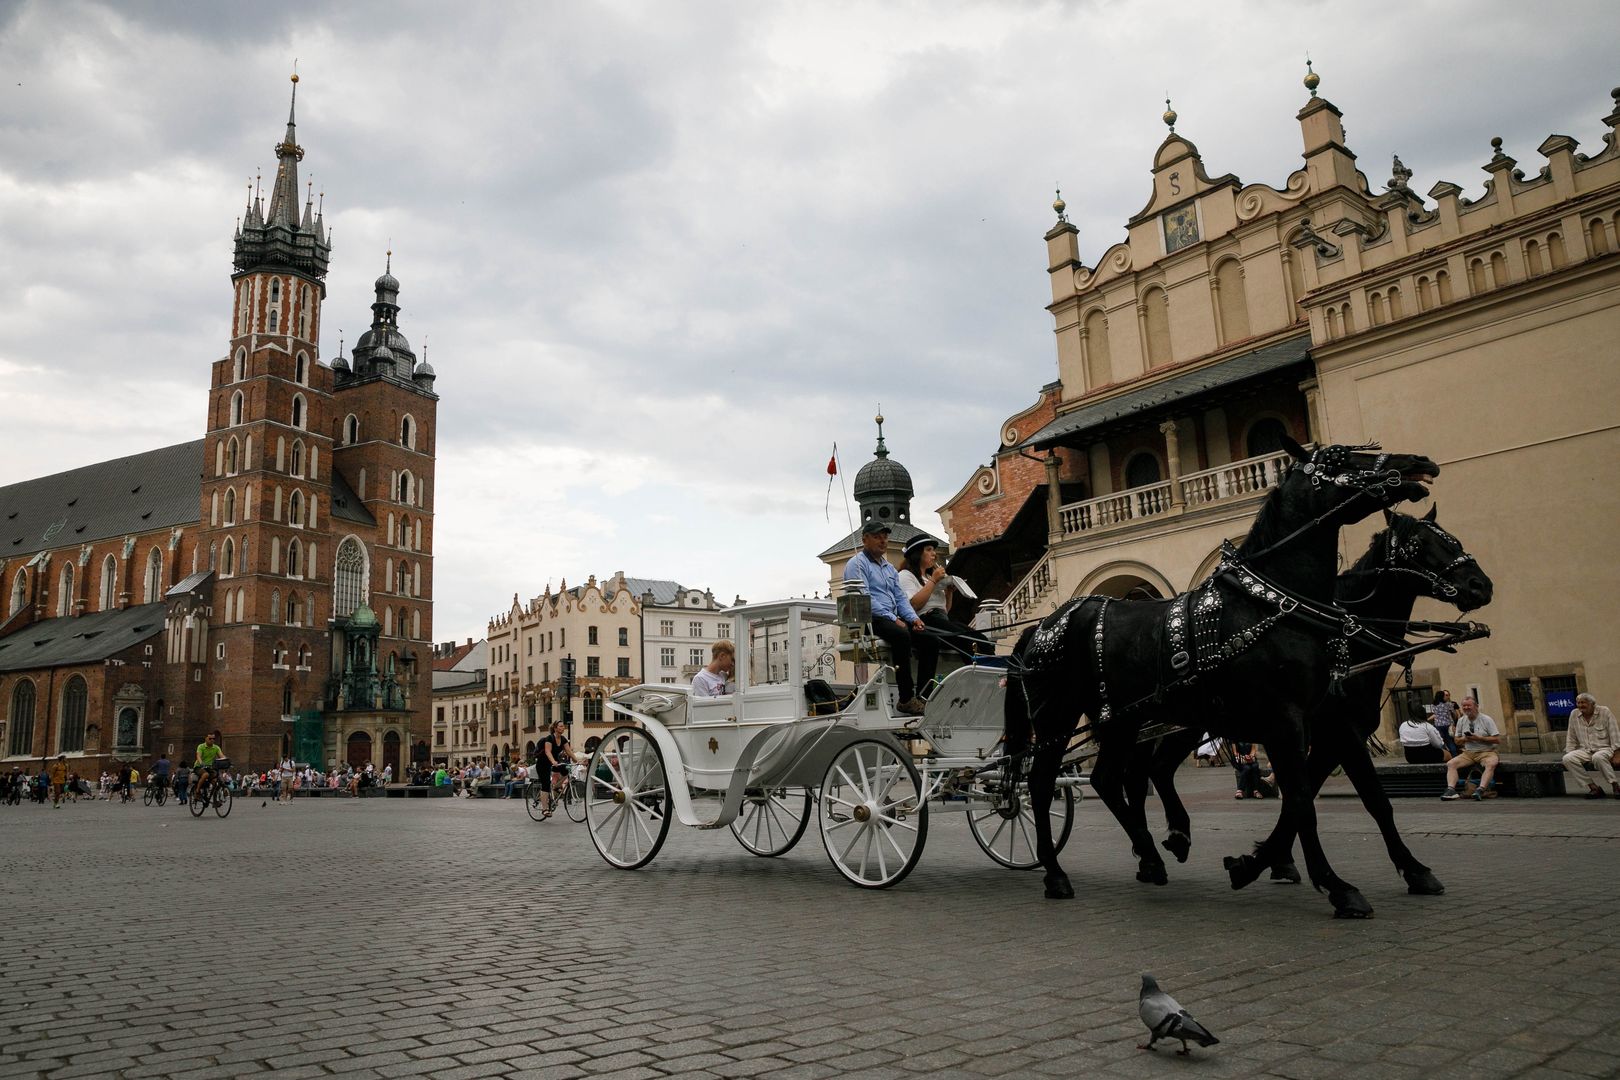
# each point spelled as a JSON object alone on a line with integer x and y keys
{"x": 417, "y": 791}
{"x": 1525, "y": 779}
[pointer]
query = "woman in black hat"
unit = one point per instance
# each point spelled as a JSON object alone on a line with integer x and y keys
{"x": 924, "y": 580}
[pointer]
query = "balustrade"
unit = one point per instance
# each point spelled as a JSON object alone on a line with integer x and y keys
{"x": 1237, "y": 480}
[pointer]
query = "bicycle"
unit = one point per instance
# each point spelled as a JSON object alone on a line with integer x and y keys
{"x": 213, "y": 791}
{"x": 157, "y": 792}
{"x": 570, "y": 796}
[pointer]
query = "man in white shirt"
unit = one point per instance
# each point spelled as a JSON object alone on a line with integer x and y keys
{"x": 712, "y": 680}
{"x": 1478, "y": 738}
{"x": 1594, "y": 737}
{"x": 289, "y": 776}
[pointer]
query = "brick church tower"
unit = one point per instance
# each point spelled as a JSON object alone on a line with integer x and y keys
{"x": 316, "y": 508}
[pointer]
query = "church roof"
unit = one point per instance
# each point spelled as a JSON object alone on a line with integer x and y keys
{"x": 136, "y": 494}
{"x": 345, "y": 504}
{"x": 83, "y": 639}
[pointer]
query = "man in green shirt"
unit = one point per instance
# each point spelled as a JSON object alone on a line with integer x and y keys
{"x": 208, "y": 751}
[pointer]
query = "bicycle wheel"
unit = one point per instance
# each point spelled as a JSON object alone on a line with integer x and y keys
{"x": 148, "y": 796}
{"x": 573, "y": 800}
{"x": 531, "y": 801}
{"x": 162, "y": 795}
{"x": 199, "y": 801}
{"x": 223, "y": 800}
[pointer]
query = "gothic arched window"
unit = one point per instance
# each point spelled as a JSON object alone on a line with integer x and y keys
{"x": 22, "y": 719}
{"x": 19, "y": 593}
{"x": 64, "y": 599}
{"x": 230, "y": 506}
{"x": 295, "y": 564}
{"x": 351, "y": 429}
{"x": 228, "y": 565}
{"x": 154, "y": 576}
{"x": 236, "y": 408}
{"x": 296, "y": 462}
{"x": 407, "y": 432}
{"x": 275, "y": 606}
{"x": 348, "y": 578}
{"x": 109, "y": 582}
{"x": 75, "y": 700}
{"x": 295, "y": 508}
{"x": 301, "y": 370}
{"x": 298, "y": 411}
{"x": 407, "y": 488}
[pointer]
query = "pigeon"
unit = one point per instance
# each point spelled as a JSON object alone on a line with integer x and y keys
{"x": 1166, "y": 1019}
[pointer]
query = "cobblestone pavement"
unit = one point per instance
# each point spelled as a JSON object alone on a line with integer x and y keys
{"x": 460, "y": 939}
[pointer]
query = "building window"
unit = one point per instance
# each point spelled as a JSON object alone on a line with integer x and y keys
{"x": 406, "y": 488}
{"x": 301, "y": 370}
{"x": 236, "y": 408}
{"x": 407, "y": 433}
{"x": 348, "y": 578}
{"x": 624, "y": 667}
{"x": 298, "y": 411}
{"x": 1522, "y": 696}
{"x": 593, "y": 709}
{"x": 590, "y": 635}
{"x": 593, "y": 666}
{"x": 695, "y": 657}
{"x": 109, "y": 582}
{"x": 75, "y": 699}
{"x": 1141, "y": 470}
{"x": 19, "y": 593}
{"x": 1558, "y": 688}
{"x": 666, "y": 627}
{"x": 154, "y": 576}
{"x": 624, "y": 636}
{"x": 666, "y": 657}
{"x": 696, "y": 629}
{"x": 219, "y": 699}
{"x": 351, "y": 430}
{"x": 21, "y": 742}
{"x": 295, "y": 561}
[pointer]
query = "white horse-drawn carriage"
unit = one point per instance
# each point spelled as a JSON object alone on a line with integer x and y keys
{"x": 793, "y": 740}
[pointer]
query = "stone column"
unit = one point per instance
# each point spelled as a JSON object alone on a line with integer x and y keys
{"x": 1054, "y": 497}
{"x": 1172, "y": 457}
{"x": 1313, "y": 410}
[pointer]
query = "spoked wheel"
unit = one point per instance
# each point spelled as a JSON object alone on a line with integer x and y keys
{"x": 532, "y": 801}
{"x": 873, "y": 820}
{"x": 574, "y": 802}
{"x": 148, "y": 796}
{"x": 162, "y": 796}
{"x": 627, "y": 799}
{"x": 199, "y": 802}
{"x": 222, "y": 800}
{"x": 1007, "y": 833}
{"x": 771, "y": 822}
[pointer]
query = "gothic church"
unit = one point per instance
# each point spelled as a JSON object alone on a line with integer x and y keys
{"x": 273, "y": 579}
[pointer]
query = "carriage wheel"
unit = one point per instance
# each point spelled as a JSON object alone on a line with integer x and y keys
{"x": 873, "y": 822}
{"x": 627, "y": 799}
{"x": 771, "y": 822}
{"x": 1007, "y": 833}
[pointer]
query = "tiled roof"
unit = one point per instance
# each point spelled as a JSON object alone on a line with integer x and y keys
{"x": 901, "y": 532}
{"x": 189, "y": 584}
{"x": 1166, "y": 392}
{"x": 135, "y": 494}
{"x": 79, "y": 640}
{"x": 345, "y": 504}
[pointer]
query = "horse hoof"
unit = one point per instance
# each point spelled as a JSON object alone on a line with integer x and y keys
{"x": 1177, "y": 844}
{"x": 1152, "y": 874}
{"x": 1350, "y": 904}
{"x": 1287, "y": 873}
{"x": 1423, "y": 883}
{"x": 1058, "y": 887}
{"x": 1242, "y": 870}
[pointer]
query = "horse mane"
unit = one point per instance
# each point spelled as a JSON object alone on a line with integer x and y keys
{"x": 1264, "y": 532}
{"x": 1373, "y": 553}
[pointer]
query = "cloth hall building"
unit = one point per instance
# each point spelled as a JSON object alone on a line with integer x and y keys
{"x": 1479, "y": 331}
{"x": 272, "y": 579}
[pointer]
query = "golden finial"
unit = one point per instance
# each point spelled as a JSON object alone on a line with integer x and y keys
{"x": 1059, "y": 206}
{"x": 1169, "y": 116}
{"x": 295, "y": 69}
{"x": 1312, "y": 79}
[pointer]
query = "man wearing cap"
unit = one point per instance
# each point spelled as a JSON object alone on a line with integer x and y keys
{"x": 893, "y": 619}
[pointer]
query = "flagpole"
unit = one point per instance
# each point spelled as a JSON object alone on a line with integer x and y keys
{"x": 847, "y": 515}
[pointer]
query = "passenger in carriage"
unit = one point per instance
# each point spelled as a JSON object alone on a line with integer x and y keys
{"x": 925, "y": 583}
{"x": 714, "y": 679}
{"x": 893, "y": 618}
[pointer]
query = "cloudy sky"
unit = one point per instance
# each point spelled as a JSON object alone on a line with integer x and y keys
{"x": 664, "y": 255}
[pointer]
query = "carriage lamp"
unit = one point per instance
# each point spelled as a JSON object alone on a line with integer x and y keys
{"x": 854, "y": 610}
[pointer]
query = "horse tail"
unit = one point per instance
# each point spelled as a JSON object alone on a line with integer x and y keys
{"x": 1016, "y": 728}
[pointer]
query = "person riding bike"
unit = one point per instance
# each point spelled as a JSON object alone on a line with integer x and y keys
{"x": 208, "y": 751}
{"x": 160, "y": 772}
{"x": 555, "y": 758}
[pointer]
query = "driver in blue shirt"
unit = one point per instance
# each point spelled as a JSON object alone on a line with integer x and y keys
{"x": 893, "y": 619}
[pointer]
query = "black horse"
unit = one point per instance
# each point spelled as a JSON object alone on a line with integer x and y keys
{"x": 1248, "y": 654}
{"x": 1409, "y": 558}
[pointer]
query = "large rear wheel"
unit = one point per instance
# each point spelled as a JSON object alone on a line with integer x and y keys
{"x": 873, "y": 819}
{"x": 1006, "y": 832}
{"x": 771, "y": 822}
{"x": 627, "y": 798}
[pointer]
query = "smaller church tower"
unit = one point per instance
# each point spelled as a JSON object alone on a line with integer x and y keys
{"x": 883, "y": 491}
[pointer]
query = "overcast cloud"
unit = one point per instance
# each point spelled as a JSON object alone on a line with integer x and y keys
{"x": 663, "y": 255}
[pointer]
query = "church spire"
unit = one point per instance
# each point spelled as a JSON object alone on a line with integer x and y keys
{"x": 281, "y": 237}
{"x": 284, "y": 196}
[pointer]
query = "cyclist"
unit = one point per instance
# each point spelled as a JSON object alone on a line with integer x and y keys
{"x": 160, "y": 773}
{"x": 208, "y": 751}
{"x": 556, "y": 756}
